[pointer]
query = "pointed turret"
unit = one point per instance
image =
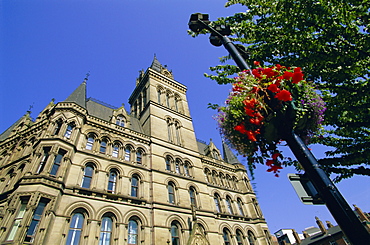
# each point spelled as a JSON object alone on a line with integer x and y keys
{"x": 229, "y": 156}
{"x": 79, "y": 95}
{"x": 156, "y": 65}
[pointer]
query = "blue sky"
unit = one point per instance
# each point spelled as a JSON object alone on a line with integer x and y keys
{"x": 47, "y": 47}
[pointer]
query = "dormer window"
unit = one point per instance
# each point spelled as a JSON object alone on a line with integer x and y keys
{"x": 120, "y": 121}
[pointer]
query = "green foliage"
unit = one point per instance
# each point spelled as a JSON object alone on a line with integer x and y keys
{"x": 330, "y": 41}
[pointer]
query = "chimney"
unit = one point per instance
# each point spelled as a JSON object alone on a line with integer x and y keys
{"x": 329, "y": 224}
{"x": 305, "y": 234}
{"x": 296, "y": 236}
{"x": 321, "y": 225}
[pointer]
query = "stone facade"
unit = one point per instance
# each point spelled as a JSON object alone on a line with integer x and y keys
{"x": 84, "y": 172}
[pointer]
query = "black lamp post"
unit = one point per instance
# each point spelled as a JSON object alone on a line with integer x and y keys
{"x": 352, "y": 227}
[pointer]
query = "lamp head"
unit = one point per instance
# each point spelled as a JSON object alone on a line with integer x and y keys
{"x": 194, "y": 23}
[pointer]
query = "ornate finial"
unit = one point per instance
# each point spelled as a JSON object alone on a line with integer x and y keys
{"x": 87, "y": 76}
{"x": 30, "y": 108}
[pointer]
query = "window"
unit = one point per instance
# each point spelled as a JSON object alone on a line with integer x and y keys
{"x": 169, "y": 130}
{"x": 133, "y": 232}
{"x": 186, "y": 169}
{"x": 58, "y": 125}
{"x": 168, "y": 163}
{"x": 192, "y": 194}
{"x": 177, "y": 166}
{"x": 57, "y": 162}
{"x": 36, "y": 218}
{"x": 175, "y": 237}
{"x": 239, "y": 237}
{"x": 217, "y": 203}
{"x": 144, "y": 97}
{"x": 135, "y": 186}
{"x": 69, "y": 130}
{"x": 240, "y": 206}
{"x": 177, "y": 104}
{"x": 229, "y": 206}
{"x": 255, "y": 205}
{"x": 139, "y": 156}
{"x": 87, "y": 177}
{"x": 128, "y": 153}
{"x": 226, "y": 236}
{"x": 216, "y": 155}
{"x": 214, "y": 177}
{"x": 115, "y": 150}
{"x": 90, "y": 143}
{"x": 168, "y": 100}
{"x": 75, "y": 229}
{"x": 103, "y": 146}
{"x": 159, "y": 96}
{"x": 112, "y": 181}
{"x": 171, "y": 192}
{"x": 106, "y": 230}
{"x": 251, "y": 238}
{"x": 177, "y": 131}
{"x": 120, "y": 121}
{"x": 17, "y": 220}
{"x": 44, "y": 159}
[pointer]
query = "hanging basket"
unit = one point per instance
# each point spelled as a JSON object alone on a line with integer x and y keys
{"x": 265, "y": 104}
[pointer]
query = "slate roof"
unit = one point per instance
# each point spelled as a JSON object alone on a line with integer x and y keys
{"x": 318, "y": 237}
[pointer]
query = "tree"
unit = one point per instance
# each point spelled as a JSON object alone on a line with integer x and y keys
{"x": 330, "y": 41}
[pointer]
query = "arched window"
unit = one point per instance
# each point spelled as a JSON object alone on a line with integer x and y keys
{"x": 175, "y": 234}
{"x": 221, "y": 178}
{"x": 217, "y": 200}
{"x": 144, "y": 97}
{"x": 168, "y": 163}
{"x": 235, "y": 183}
{"x": 229, "y": 205}
{"x": 240, "y": 207}
{"x": 112, "y": 181}
{"x": 133, "y": 232}
{"x": 239, "y": 237}
{"x": 135, "y": 186}
{"x": 177, "y": 131}
{"x": 128, "y": 153}
{"x": 169, "y": 130}
{"x": 256, "y": 208}
{"x": 103, "y": 146}
{"x": 168, "y": 100}
{"x": 192, "y": 194}
{"x": 178, "y": 166}
{"x": 171, "y": 192}
{"x": 177, "y": 100}
{"x": 69, "y": 130}
{"x": 139, "y": 156}
{"x": 106, "y": 231}
{"x": 207, "y": 173}
{"x": 120, "y": 120}
{"x": 186, "y": 168}
{"x": 226, "y": 236}
{"x": 18, "y": 220}
{"x": 87, "y": 177}
{"x": 115, "y": 150}
{"x": 228, "y": 179}
{"x": 58, "y": 125}
{"x": 75, "y": 229}
{"x": 214, "y": 178}
{"x": 251, "y": 238}
{"x": 90, "y": 142}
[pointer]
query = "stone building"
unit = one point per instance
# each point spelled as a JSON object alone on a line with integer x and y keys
{"x": 84, "y": 172}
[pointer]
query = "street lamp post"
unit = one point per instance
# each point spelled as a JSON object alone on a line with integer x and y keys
{"x": 351, "y": 226}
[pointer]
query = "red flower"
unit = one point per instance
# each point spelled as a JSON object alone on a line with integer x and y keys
{"x": 274, "y": 168}
{"x": 284, "y": 95}
{"x": 250, "y": 103}
{"x": 256, "y": 73}
{"x": 249, "y": 112}
{"x": 256, "y": 63}
{"x": 240, "y": 128}
{"x": 252, "y": 135}
{"x": 287, "y": 75}
{"x": 273, "y": 88}
{"x": 269, "y": 72}
{"x": 297, "y": 76}
{"x": 270, "y": 162}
